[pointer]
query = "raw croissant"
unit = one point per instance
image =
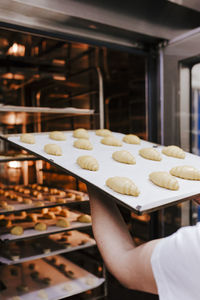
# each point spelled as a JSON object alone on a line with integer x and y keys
{"x": 124, "y": 156}
{"x": 131, "y": 139}
{"x": 122, "y": 185}
{"x": 88, "y": 162}
{"x": 103, "y": 132}
{"x": 81, "y": 133}
{"x": 173, "y": 151}
{"x": 150, "y": 153}
{"x": 111, "y": 141}
{"x": 164, "y": 180}
{"x": 83, "y": 144}
{"x": 186, "y": 172}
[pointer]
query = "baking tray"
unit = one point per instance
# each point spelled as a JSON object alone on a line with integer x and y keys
{"x": 57, "y": 289}
{"x": 30, "y": 232}
{"x": 37, "y": 248}
{"x": 18, "y": 207}
{"x": 151, "y": 197}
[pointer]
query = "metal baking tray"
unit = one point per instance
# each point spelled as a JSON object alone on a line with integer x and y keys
{"x": 30, "y": 232}
{"x": 37, "y": 248}
{"x": 60, "y": 286}
{"x": 151, "y": 197}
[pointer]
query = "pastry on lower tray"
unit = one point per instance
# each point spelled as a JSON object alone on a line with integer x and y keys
{"x": 165, "y": 180}
{"x": 41, "y": 226}
{"x": 64, "y": 213}
{"x": 17, "y": 230}
{"x": 52, "y": 198}
{"x": 16, "y": 298}
{"x": 53, "y": 149}
{"x": 123, "y": 185}
{"x": 39, "y": 203}
{"x": 5, "y": 223}
{"x": 62, "y": 222}
{"x": 84, "y": 218}
{"x": 27, "y": 201}
{"x": 61, "y": 200}
{"x": 3, "y": 204}
{"x": 50, "y": 215}
{"x": 56, "y": 209}
{"x": 19, "y": 199}
{"x": 32, "y": 217}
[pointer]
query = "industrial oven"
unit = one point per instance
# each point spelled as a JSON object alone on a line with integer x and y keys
{"x": 68, "y": 65}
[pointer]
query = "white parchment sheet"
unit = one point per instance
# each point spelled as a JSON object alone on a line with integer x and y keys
{"x": 151, "y": 196}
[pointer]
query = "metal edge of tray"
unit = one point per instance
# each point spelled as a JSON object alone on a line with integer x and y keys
{"x": 138, "y": 209}
{"x": 71, "y": 204}
{"x": 19, "y": 238}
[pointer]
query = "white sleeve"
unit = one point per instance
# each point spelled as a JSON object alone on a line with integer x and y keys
{"x": 176, "y": 265}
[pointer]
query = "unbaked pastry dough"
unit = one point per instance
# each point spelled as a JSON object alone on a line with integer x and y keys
{"x": 150, "y": 153}
{"x": 81, "y": 133}
{"x": 17, "y": 230}
{"x": 84, "y": 218}
{"x": 41, "y": 227}
{"x": 173, "y": 151}
{"x": 165, "y": 180}
{"x": 103, "y": 132}
{"x": 53, "y": 149}
{"x": 57, "y": 135}
{"x": 83, "y": 144}
{"x": 88, "y": 162}
{"x": 122, "y": 185}
{"x": 124, "y": 156}
{"x": 186, "y": 172}
{"x": 131, "y": 139}
{"x": 111, "y": 141}
{"x": 27, "y": 138}
{"x": 62, "y": 222}
{"x": 42, "y": 295}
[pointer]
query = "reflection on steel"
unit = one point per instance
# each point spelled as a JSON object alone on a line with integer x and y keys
{"x": 101, "y": 98}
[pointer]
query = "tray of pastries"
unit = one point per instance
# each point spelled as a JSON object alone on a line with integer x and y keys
{"x": 140, "y": 175}
{"x": 52, "y": 278}
{"x": 26, "y": 250}
{"x": 20, "y": 197}
{"x": 42, "y": 222}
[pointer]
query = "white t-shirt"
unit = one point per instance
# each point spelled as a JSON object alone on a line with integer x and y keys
{"x": 176, "y": 265}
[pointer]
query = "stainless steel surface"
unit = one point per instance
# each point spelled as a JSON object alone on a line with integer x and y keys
{"x": 107, "y": 21}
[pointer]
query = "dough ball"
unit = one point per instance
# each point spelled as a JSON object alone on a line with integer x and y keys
{"x": 150, "y": 153}
{"x": 53, "y": 149}
{"x": 57, "y": 135}
{"x": 84, "y": 218}
{"x": 27, "y": 138}
{"x": 103, "y": 132}
{"x": 41, "y": 227}
{"x": 17, "y": 230}
{"x": 186, "y": 172}
{"x": 81, "y": 133}
{"x": 62, "y": 222}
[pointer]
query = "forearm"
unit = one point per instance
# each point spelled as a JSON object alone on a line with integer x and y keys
{"x": 110, "y": 231}
{"x": 129, "y": 264}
